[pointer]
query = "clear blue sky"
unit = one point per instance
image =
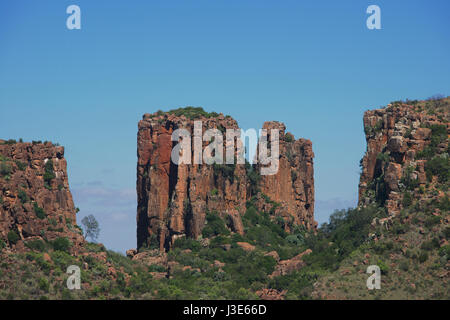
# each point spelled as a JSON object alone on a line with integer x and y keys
{"x": 311, "y": 64}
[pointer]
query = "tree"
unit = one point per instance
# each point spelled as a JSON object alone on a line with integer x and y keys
{"x": 91, "y": 226}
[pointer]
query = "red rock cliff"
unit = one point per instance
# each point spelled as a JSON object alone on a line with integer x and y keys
{"x": 35, "y": 200}
{"x": 407, "y": 144}
{"x": 173, "y": 199}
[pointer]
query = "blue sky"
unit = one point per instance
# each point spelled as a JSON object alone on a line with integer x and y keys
{"x": 310, "y": 64}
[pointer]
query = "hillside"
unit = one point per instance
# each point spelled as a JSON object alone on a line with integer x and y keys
{"x": 401, "y": 223}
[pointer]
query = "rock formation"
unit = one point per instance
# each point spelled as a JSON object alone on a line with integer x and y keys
{"x": 173, "y": 200}
{"x": 293, "y": 185}
{"x": 405, "y": 141}
{"x": 35, "y": 200}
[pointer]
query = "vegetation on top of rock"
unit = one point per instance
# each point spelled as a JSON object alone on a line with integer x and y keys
{"x": 189, "y": 112}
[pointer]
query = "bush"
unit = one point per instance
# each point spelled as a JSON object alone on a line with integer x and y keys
{"x": 5, "y": 169}
{"x": 383, "y": 267}
{"x": 288, "y": 137}
{"x": 156, "y": 268}
{"x": 49, "y": 174}
{"x": 40, "y": 213}
{"x": 407, "y": 199}
{"x": 215, "y": 226}
{"x": 44, "y": 285}
{"x": 404, "y": 266}
{"x": 22, "y": 195}
{"x": 13, "y": 237}
{"x": 21, "y": 165}
{"x": 438, "y": 166}
{"x": 37, "y": 245}
{"x": 185, "y": 243}
{"x": 438, "y": 135}
{"x": 429, "y": 245}
{"x": 383, "y": 157}
{"x": 61, "y": 244}
{"x": 192, "y": 112}
{"x": 423, "y": 257}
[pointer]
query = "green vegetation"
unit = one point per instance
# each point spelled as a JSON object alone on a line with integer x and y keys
{"x": 36, "y": 245}
{"x": 5, "y": 168}
{"x": 91, "y": 227}
{"x": 13, "y": 237}
{"x": 288, "y": 137}
{"x": 40, "y": 213}
{"x": 224, "y": 170}
{"x": 61, "y": 244}
{"x": 21, "y": 165}
{"x": 214, "y": 226}
{"x": 438, "y": 166}
{"x": 22, "y": 195}
{"x": 49, "y": 174}
{"x": 438, "y": 136}
{"x": 368, "y": 130}
{"x": 383, "y": 156}
{"x": 192, "y": 112}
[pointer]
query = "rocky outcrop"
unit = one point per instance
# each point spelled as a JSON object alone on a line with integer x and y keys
{"x": 293, "y": 185}
{"x": 404, "y": 142}
{"x": 173, "y": 200}
{"x": 288, "y": 266}
{"x": 35, "y": 200}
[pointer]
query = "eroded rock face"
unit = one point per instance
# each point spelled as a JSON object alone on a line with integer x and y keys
{"x": 35, "y": 200}
{"x": 401, "y": 139}
{"x": 173, "y": 200}
{"x": 293, "y": 185}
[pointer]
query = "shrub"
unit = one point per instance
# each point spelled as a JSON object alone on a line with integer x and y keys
{"x": 44, "y": 284}
{"x": 185, "y": 243}
{"x": 37, "y": 245}
{"x": 49, "y": 174}
{"x": 13, "y": 237}
{"x": 404, "y": 266}
{"x": 193, "y": 112}
{"x": 445, "y": 250}
{"x": 429, "y": 245}
{"x": 215, "y": 226}
{"x": 407, "y": 179}
{"x": 2, "y": 244}
{"x": 21, "y": 165}
{"x": 438, "y": 135}
{"x": 423, "y": 257}
{"x": 22, "y": 195}
{"x": 40, "y": 213}
{"x": 383, "y": 156}
{"x": 61, "y": 244}
{"x": 5, "y": 168}
{"x": 288, "y": 137}
{"x": 438, "y": 166}
{"x": 407, "y": 199}
{"x": 383, "y": 267}
{"x": 156, "y": 268}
